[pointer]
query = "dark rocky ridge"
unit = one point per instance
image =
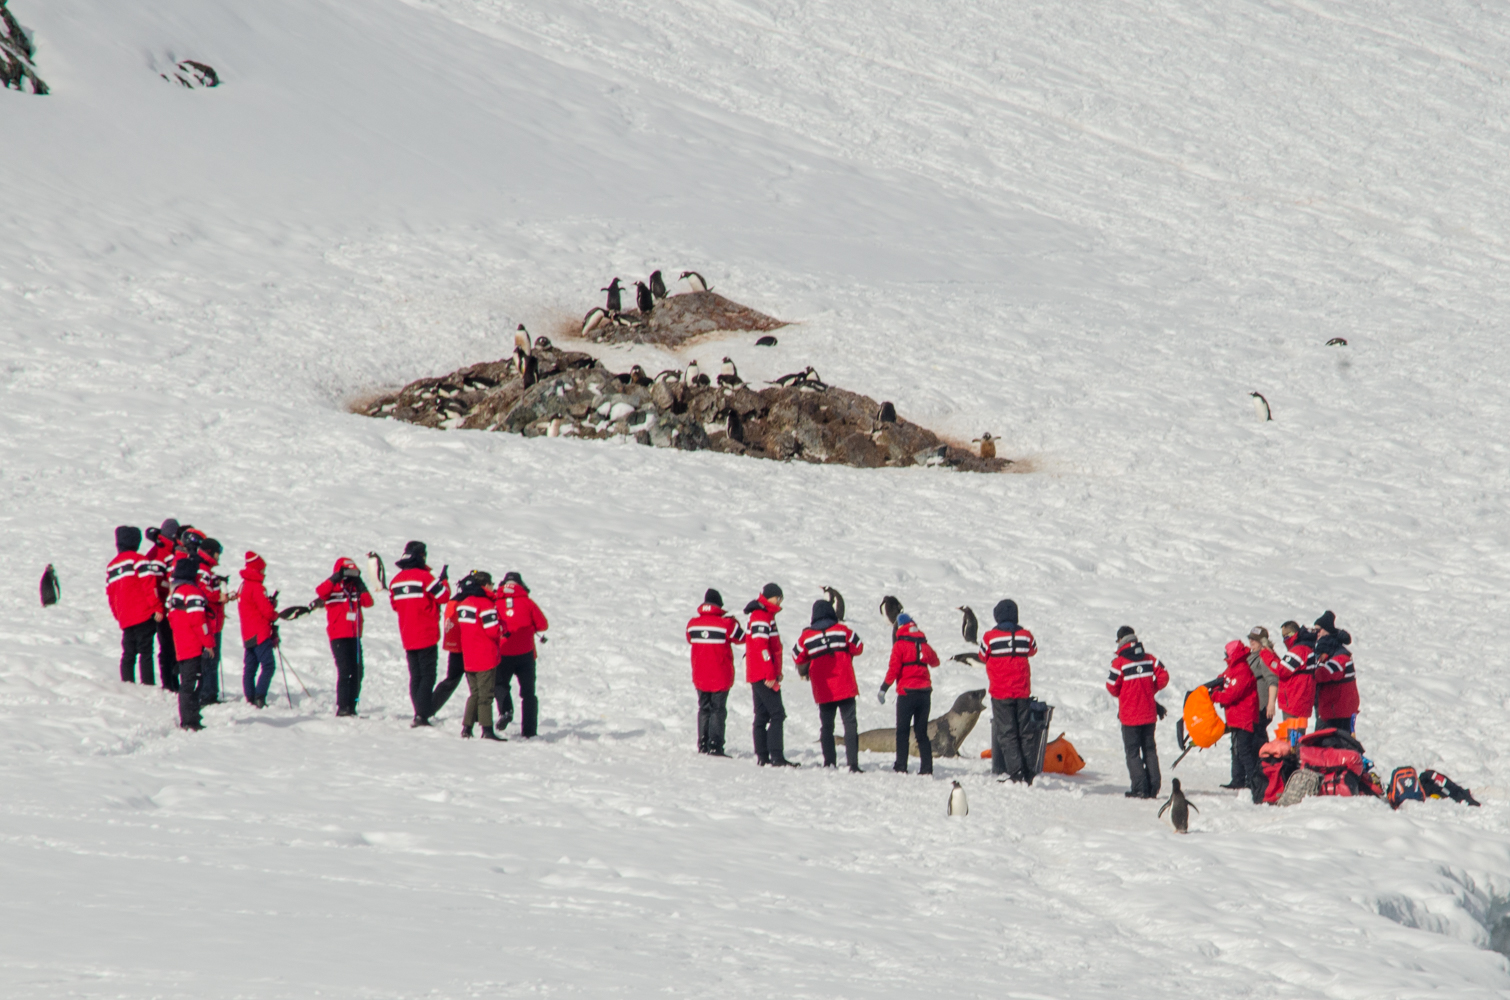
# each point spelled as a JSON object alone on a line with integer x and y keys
{"x": 577, "y": 397}
{"x": 17, "y": 70}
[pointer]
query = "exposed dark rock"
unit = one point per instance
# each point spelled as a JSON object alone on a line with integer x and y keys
{"x": 192, "y": 74}
{"x": 678, "y": 319}
{"x": 17, "y": 53}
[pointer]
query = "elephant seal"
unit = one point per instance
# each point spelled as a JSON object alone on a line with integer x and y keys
{"x": 945, "y": 734}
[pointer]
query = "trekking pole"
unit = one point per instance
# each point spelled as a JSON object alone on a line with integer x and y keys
{"x": 284, "y": 674}
{"x": 296, "y": 676}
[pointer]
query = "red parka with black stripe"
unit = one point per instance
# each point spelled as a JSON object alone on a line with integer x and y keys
{"x": 763, "y": 645}
{"x": 1239, "y": 691}
{"x": 1135, "y": 678}
{"x": 911, "y": 656}
{"x": 1297, "y": 676}
{"x": 1005, "y": 649}
{"x": 712, "y": 633}
{"x": 189, "y": 618}
{"x": 131, "y": 589}
{"x": 344, "y": 602}
{"x": 828, "y": 655}
{"x": 417, "y": 598}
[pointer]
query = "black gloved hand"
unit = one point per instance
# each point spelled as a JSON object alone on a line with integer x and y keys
{"x": 361, "y": 584}
{"x": 1159, "y": 707}
{"x": 152, "y": 534}
{"x": 445, "y": 571}
{"x": 337, "y": 575}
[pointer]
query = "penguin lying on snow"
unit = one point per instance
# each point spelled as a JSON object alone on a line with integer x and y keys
{"x": 695, "y": 280}
{"x": 595, "y": 318}
{"x": 1336, "y": 342}
{"x": 957, "y": 804}
{"x": 766, "y": 341}
{"x": 1179, "y": 808}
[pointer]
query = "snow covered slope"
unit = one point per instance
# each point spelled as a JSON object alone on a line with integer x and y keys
{"x": 1091, "y": 229}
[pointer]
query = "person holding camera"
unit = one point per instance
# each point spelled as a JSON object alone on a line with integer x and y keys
{"x": 343, "y": 596}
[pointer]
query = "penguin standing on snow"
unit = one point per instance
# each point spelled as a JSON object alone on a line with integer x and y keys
{"x": 615, "y": 300}
{"x": 657, "y": 285}
{"x": 50, "y": 588}
{"x": 643, "y": 300}
{"x": 1179, "y": 809}
{"x": 595, "y": 318}
{"x": 958, "y": 806}
{"x": 728, "y": 374}
{"x": 378, "y": 571}
{"x": 1261, "y": 406}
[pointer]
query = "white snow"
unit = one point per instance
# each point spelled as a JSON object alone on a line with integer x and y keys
{"x": 1091, "y": 229}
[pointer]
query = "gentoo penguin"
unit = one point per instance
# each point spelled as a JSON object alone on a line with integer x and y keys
{"x": 695, "y": 280}
{"x": 554, "y": 430}
{"x": 378, "y": 570}
{"x": 969, "y": 627}
{"x": 957, "y": 804}
{"x": 643, "y": 300}
{"x": 795, "y": 376}
{"x": 657, "y": 285}
{"x": 736, "y": 428}
{"x": 811, "y": 381}
{"x": 615, "y": 302}
{"x": 836, "y": 599}
{"x": 1336, "y": 342}
{"x": 542, "y": 343}
{"x": 669, "y": 375}
{"x": 637, "y": 376}
{"x": 525, "y": 361}
{"x": 891, "y": 607}
{"x": 695, "y": 376}
{"x": 521, "y": 339}
{"x": 728, "y": 374}
{"x": 51, "y": 589}
{"x": 888, "y": 414}
{"x": 1179, "y": 809}
{"x": 595, "y": 318}
{"x": 987, "y": 445}
{"x": 766, "y": 341}
{"x": 1261, "y": 406}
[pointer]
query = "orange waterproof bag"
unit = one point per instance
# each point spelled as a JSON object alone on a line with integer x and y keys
{"x": 1061, "y": 758}
{"x": 1200, "y": 726}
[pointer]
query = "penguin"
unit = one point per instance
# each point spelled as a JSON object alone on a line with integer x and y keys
{"x": 1337, "y": 342}
{"x": 987, "y": 445}
{"x": 695, "y": 280}
{"x": 728, "y": 374}
{"x": 695, "y": 376}
{"x": 736, "y": 428}
{"x": 888, "y": 414}
{"x": 787, "y": 380}
{"x": 288, "y": 614}
{"x": 810, "y": 381}
{"x": 378, "y": 570}
{"x": 525, "y": 361}
{"x": 1179, "y": 808}
{"x": 958, "y": 806}
{"x": 542, "y": 343}
{"x": 669, "y": 375}
{"x": 615, "y": 301}
{"x": 643, "y": 300}
{"x": 52, "y": 591}
{"x": 657, "y": 285}
{"x": 836, "y": 599}
{"x": 637, "y": 376}
{"x": 891, "y": 607}
{"x": 969, "y": 627}
{"x": 766, "y": 341}
{"x": 1261, "y": 406}
{"x": 554, "y": 430}
{"x": 521, "y": 339}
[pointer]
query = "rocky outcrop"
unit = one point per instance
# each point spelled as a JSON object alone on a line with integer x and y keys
{"x": 677, "y": 319}
{"x": 17, "y": 71}
{"x": 576, "y": 397}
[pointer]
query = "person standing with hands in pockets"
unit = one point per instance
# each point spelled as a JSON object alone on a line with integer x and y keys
{"x": 911, "y": 656}
{"x": 763, "y": 672}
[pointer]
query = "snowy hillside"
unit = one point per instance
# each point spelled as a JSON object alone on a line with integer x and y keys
{"x": 1091, "y": 229}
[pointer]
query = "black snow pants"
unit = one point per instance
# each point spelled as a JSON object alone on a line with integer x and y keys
{"x": 846, "y": 711}
{"x": 167, "y": 657}
{"x": 1342, "y": 725}
{"x": 136, "y": 644}
{"x": 422, "y": 663}
{"x": 348, "y": 657}
{"x": 770, "y": 716}
{"x": 1246, "y": 744}
{"x": 1013, "y": 749}
{"x": 188, "y": 698}
{"x": 712, "y": 714}
{"x": 912, "y": 713}
{"x": 1142, "y": 759}
{"x": 522, "y": 667}
{"x": 455, "y": 671}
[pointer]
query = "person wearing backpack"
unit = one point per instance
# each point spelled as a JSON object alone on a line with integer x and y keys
{"x": 1237, "y": 690}
{"x": 1005, "y": 649}
{"x": 1137, "y": 676}
{"x": 1336, "y": 684}
{"x": 824, "y": 656}
{"x": 911, "y": 656}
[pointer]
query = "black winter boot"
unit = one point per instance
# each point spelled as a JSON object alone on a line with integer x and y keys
{"x": 488, "y": 734}
{"x": 466, "y": 733}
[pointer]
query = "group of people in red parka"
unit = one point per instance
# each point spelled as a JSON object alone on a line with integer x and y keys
{"x": 1314, "y": 675}
{"x": 172, "y": 594}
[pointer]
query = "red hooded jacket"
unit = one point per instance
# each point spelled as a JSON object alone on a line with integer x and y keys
{"x": 214, "y": 595}
{"x": 189, "y": 619}
{"x": 911, "y": 656}
{"x": 520, "y": 617}
{"x": 712, "y": 634}
{"x": 1005, "y": 650}
{"x": 131, "y": 589}
{"x": 417, "y": 598}
{"x": 1336, "y": 684}
{"x": 828, "y": 653}
{"x": 477, "y": 629}
{"x": 158, "y": 564}
{"x": 1135, "y": 678}
{"x": 1297, "y": 676}
{"x": 451, "y": 637}
{"x": 1239, "y": 691}
{"x": 254, "y": 608}
{"x": 344, "y": 602}
{"x": 763, "y": 646}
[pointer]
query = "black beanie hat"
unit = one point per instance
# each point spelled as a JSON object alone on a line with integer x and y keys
{"x": 185, "y": 569}
{"x": 1006, "y": 611}
{"x": 1124, "y": 632}
{"x": 1327, "y": 621}
{"x": 417, "y": 550}
{"x": 711, "y": 596}
{"x": 127, "y": 538}
{"x": 770, "y": 590}
{"x": 169, "y": 529}
{"x": 824, "y": 611}
{"x": 211, "y": 546}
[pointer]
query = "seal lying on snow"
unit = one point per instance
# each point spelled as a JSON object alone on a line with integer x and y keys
{"x": 945, "y": 733}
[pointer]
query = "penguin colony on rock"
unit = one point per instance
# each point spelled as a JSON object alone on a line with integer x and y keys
{"x": 17, "y": 69}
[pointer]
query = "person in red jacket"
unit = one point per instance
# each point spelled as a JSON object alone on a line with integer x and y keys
{"x": 712, "y": 633}
{"x": 521, "y": 618}
{"x": 478, "y": 631}
{"x": 1135, "y": 678}
{"x": 259, "y": 631}
{"x": 343, "y": 596}
{"x": 911, "y": 656}
{"x": 1005, "y": 649}
{"x": 824, "y": 657}
{"x": 1336, "y": 683}
{"x": 213, "y": 585}
{"x": 192, "y": 641}
{"x": 1238, "y": 691}
{"x": 158, "y": 564}
{"x": 131, "y": 590}
{"x": 763, "y": 674}
{"x": 1297, "y": 673}
{"x": 417, "y": 598}
{"x": 456, "y": 668}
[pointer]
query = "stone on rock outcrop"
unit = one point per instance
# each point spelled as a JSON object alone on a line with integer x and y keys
{"x": 680, "y": 318}
{"x": 17, "y": 53}
{"x": 192, "y": 74}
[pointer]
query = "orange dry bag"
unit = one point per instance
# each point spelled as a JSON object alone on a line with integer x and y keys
{"x": 1200, "y": 726}
{"x": 1061, "y": 758}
